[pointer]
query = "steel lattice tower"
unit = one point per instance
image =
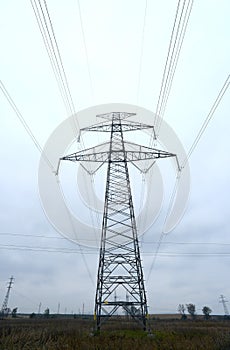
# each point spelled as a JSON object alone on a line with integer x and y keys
{"x": 224, "y": 302}
{"x": 4, "y": 310}
{"x": 120, "y": 280}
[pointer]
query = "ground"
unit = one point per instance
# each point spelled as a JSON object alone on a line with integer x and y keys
{"x": 78, "y": 333}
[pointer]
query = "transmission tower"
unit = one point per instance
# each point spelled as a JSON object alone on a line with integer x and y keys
{"x": 120, "y": 280}
{"x": 5, "y": 310}
{"x": 224, "y": 302}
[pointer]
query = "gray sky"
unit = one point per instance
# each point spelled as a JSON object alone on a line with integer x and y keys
{"x": 113, "y": 36}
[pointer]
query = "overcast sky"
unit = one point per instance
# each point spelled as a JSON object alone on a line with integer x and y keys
{"x": 113, "y": 32}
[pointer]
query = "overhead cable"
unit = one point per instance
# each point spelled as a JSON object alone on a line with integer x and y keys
{"x": 155, "y": 256}
{"x": 207, "y": 120}
{"x": 166, "y": 254}
{"x": 36, "y": 235}
{"x": 46, "y": 29}
{"x": 141, "y": 51}
{"x": 85, "y": 48}
{"x": 28, "y": 130}
{"x": 183, "y": 12}
{"x": 192, "y": 148}
{"x": 177, "y": 37}
{"x": 25, "y": 125}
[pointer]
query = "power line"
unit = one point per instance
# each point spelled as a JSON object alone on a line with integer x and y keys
{"x": 171, "y": 201}
{"x": 66, "y": 84}
{"x": 49, "y": 38}
{"x": 81, "y": 250}
{"x": 189, "y": 243}
{"x": 194, "y": 254}
{"x": 142, "y": 50}
{"x": 160, "y": 97}
{"x": 50, "y": 52}
{"x": 30, "y": 235}
{"x": 177, "y": 37}
{"x": 156, "y": 253}
{"x": 175, "y": 59}
{"x": 46, "y": 29}
{"x": 167, "y": 254}
{"x": 28, "y": 130}
{"x": 85, "y": 48}
{"x": 85, "y": 239}
{"x": 207, "y": 120}
{"x": 173, "y": 195}
{"x": 192, "y": 148}
{"x": 25, "y": 125}
{"x": 43, "y": 249}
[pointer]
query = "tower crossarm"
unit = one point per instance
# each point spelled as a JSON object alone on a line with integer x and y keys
{"x": 126, "y": 126}
{"x": 132, "y": 153}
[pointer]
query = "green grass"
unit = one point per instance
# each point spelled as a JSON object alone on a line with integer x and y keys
{"x": 60, "y": 334}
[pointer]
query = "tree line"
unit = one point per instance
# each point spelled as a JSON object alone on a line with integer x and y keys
{"x": 191, "y": 309}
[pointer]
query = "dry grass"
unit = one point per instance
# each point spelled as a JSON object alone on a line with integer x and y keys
{"x": 60, "y": 334}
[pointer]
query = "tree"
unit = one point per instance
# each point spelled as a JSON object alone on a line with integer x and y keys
{"x": 47, "y": 313}
{"x": 181, "y": 310}
{"x": 191, "y": 310}
{"x": 206, "y": 311}
{"x": 14, "y": 312}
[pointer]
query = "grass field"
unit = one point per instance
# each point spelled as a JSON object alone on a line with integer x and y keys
{"x": 58, "y": 334}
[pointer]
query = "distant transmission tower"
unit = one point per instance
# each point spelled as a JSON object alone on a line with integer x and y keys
{"x": 120, "y": 281}
{"x": 224, "y": 302}
{"x": 5, "y": 309}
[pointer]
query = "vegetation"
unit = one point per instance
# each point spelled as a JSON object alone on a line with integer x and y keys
{"x": 47, "y": 313}
{"x": 14, "y": 312}
{"x": 191, "y": 310}
{"x": 61, "y": 334}
{"x": 206, "y": 311}
{"x": 181, "y": 310}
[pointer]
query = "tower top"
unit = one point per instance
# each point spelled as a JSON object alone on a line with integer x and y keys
{"x": 116, "y": 115}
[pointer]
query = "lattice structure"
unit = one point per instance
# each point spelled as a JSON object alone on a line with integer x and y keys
{"x": 120, "y": 280}
{"x": 5, "y": 310}
{"x": 224, "y": 302}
